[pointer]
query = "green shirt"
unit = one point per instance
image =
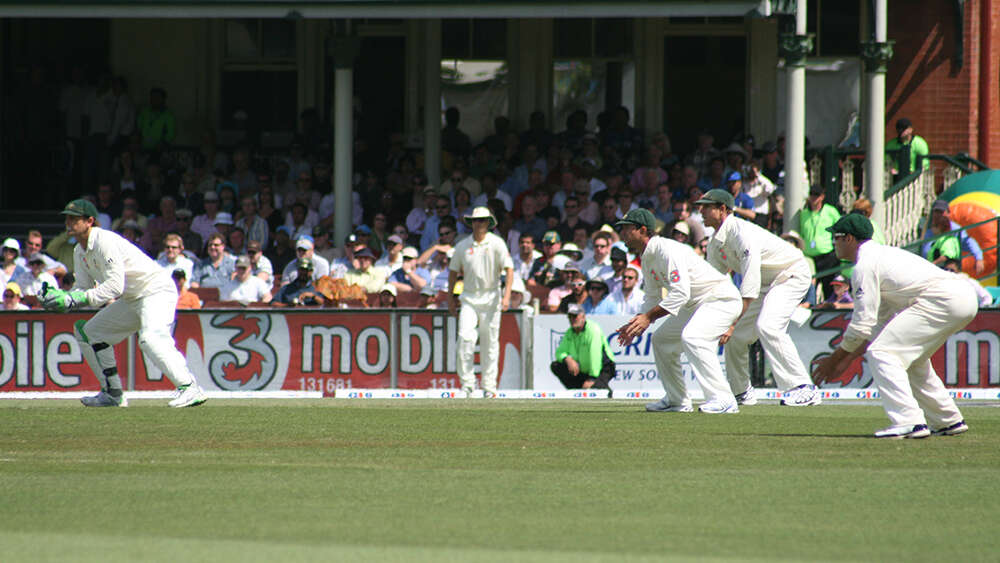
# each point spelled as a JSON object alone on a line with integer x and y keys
{"x": 156, "y": 127}
{"x": 812, "y": 227}
{"x": 907, "y": 160}
{"x": 588, "y": 347}
{"x": 944, "y": 246}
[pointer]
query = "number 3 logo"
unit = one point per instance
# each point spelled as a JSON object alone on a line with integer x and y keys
{"x": 250, "y": 338}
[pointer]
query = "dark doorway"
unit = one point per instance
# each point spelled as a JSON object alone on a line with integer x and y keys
{"x": 704, "y": 85}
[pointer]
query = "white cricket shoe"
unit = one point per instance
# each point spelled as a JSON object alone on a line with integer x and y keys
{"x": 719, "y": 407}
{"x": 469, "y": 392}
{"x": 748, "y": 397}
{"x": 905, "y": 431}
{"x": 190, "y": 396}
{"x": 663, "y": 406}
{"x": 802, "y": 396}
{"x": 957, "y": 428}
{"x": 102, "y": 399}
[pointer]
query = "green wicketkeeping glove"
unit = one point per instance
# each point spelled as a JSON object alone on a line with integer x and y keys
{"x": 62, "y": 301}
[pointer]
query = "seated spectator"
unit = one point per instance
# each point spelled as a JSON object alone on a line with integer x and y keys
{"x": 619, "y": 261}
{"x": 387, "y": 297}
{"x": 525, "y": 257}
{"x": 217, "y": 267}
{"x": 32, "y": 246}
{"x": 245, "y": 287}
{"x": 681, "y": 232}
{"x": 301, "y": 220}
{"x": 598, "y": 266}
{"x": 260, "y": 265}
{"x": 323, "y": 246}
{"x": 173, "y": 256}
{"x": 429, "y": 298}
{"x": 841, "y": 297}
{"x": 204, "y": 224}
{"x": 10, "y": 268}
{"x": 301, "y": 290}
{"x": 569, "y": 273}
{"x": 67, "y": 282}
{"x": 577, "y": 296}
{"x": 159, "y": 226}
{"x": 254, "y": 226}
{"x": 12, "y": 298}
{"x": 366, "y": 275}
{"x": 597, "y": 293}
{"x": 131, "y": 232}
{"x": 31, "y": 281}
{"x": 193, "y": 243}
{"x": 409, "y": 277}
{"x": 237, "y": 241}
{"x": 282, "y": 252}
{"x": 627, "y": 299}
{"x": 583, "y": 357}
{"x": 543, "y": 272}
{"x": 392, "y": 259}
{"x": 223, "y": 224}
{"x": 304, "y": 248}
{"x": 340, "y": 266}
{"x": 185, "y": 299}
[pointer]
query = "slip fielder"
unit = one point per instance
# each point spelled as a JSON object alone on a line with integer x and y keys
{"x": 905, "y": 308}
{"x": 110, "y": 269}
{"x": 700, "y": 305}
{"x": 776, "y": 277}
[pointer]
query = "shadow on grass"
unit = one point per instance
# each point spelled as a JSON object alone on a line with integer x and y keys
{"x": 806, "y": 435}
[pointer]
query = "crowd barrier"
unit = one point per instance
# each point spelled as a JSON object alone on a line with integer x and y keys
{"x": 330, "y": 351}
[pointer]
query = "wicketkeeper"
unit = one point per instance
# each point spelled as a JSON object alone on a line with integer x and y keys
{"x": 110, "y": 269}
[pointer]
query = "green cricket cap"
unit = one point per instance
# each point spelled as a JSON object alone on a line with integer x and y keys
{"x": 640, "y": 217}
{"x": 854, "y": 224}
{"x": 81, "y": 208}
{"x": 718, "y": 195}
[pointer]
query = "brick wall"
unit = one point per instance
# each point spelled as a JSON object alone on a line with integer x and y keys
{"x": 925, "y": 83}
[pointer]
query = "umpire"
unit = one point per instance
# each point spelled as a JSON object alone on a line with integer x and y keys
{"x": 583, "y": 358}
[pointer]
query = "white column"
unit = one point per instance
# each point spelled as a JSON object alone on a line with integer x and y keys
{"x": 875, "y": 123}
{"x": 795, "y": 131}
{"x": 432, "y": 100}
{"x": 343, "y": 145}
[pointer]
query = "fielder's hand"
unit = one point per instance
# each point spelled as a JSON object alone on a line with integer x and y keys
{"x": 61, "y": 301}
{"x": 635, "y": 327}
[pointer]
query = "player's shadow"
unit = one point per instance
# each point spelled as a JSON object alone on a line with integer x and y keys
{"x": 805, "y": 435}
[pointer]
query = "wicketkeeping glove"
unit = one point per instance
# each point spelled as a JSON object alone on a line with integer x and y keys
{"x": 62, "y": 301}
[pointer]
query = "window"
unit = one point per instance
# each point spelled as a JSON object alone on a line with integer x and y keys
{"x": 593, "y": 68}
{"x": 474, "y": 73}
{"x": 259, "y": 81}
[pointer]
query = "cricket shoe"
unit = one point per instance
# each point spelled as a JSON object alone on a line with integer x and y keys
{"x": 802, "y": 396}
{"x": 905, "y": 431}
{"x": 719, "y": 407}
{"x": 663, "y": 406}
{"x": 469, "y": 392}
{"x": 748, "y": 397}
{"x": 952, "y": 430}
{"x": 190, "y": 396}
{"x": 489, "y": 395}
{"x": 103, "y": 399}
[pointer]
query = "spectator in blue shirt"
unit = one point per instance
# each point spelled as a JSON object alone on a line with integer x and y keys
{"x": 744, "y": 203}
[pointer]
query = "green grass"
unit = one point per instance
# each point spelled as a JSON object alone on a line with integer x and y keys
{"x": 459, "y": 480}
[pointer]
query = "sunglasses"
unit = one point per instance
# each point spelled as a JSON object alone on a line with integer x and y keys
{"x": 445, "y": 233}
{"x": 173, "y": 247}
{"x": 8, "y": 294}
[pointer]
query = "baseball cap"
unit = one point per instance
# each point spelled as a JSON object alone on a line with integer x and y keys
{"x": 12, "y": 244}
{"x": 718, "y": 195}
{"x": 253, "y": 245}
{"x": 734, "y": 177}
{"x": 36, "y": 257}
{"x": 618, "y": 254}
{"x": 223, "y": 218}
{"x": 572, "y": 250}
{"x": 319, "y": 231}
{"x": 304, "y": 242}
{"x": 551, "y": 236}
{"x": 410, "y": 252}
{"x": 12, "y": 286}
{"x": 183, "y": 212}
{"x": 211, "y": 196}
{"x": 839, "y": 279}
{"x": 364, "y": 253}
{"x": 80, "y": 208}
{"x": 682, "y": 227}
{"x": 571, "y": 266}
{"x": 179, "y": 274}
{"x": 243, "y": 261}
{"x": 903, "y": 124}
{"x": 395, "y": 239}
{"x": 638, "y": 217}
{"x": 574, "y": 309}
{"x": 351, "y": 239}
{"x": 939, "y": 205}
{"x": 816, "y": 189}
{"x": 854, "y": 224}
{"x": 285, "y": 229}
{"x": 363, "y": 230}
{"x": 388, "y": 287}
{"x": 304, "y": 263}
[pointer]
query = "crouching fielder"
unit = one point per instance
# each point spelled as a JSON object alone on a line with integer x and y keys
{"x": 700, "y": 305}
{"x": 918, "y": 306}
{"x": 110, "y": 268}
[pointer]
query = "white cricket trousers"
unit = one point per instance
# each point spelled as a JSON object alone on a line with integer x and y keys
{"x": 150, "y": 316}
{"x": 900, "y": 356}
{"x": 767, "y": 318}
{"x": 480, "y": 321}
{"x": 695, "y": 331}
